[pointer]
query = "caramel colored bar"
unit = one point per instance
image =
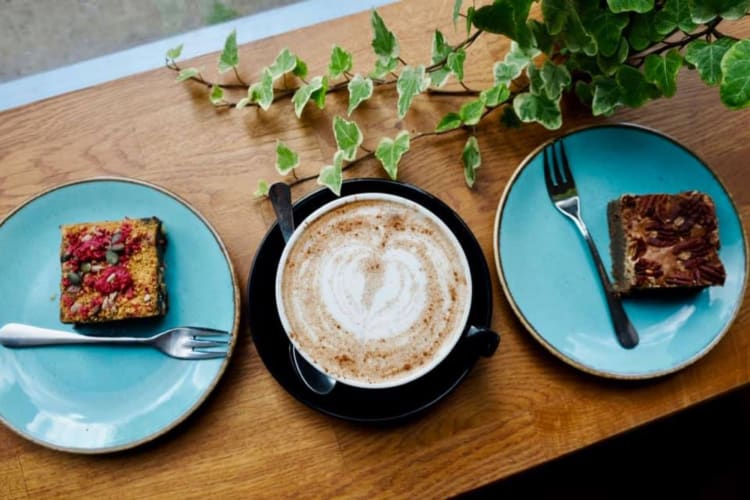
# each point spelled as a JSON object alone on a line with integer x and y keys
{"x": 664, "y": 241}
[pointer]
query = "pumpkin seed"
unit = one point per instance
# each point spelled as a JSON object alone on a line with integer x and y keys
{"x": 112, "y": 257}
{"x": 86, "y": 267}
{"x": 74, "y": 278}
{"x": 117, "y": 247}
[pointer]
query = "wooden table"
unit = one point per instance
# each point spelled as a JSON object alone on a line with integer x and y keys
{"x": 518, "y": 409}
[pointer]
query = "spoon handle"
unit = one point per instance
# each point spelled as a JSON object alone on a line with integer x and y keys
{"x": 281, "y": 199}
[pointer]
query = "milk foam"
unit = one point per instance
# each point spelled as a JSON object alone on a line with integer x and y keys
{"x": 374, "y": 290}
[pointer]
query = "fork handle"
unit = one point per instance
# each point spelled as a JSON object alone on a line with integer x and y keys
{"x": 18, "y": 335}
{"x": 624, "y": 329}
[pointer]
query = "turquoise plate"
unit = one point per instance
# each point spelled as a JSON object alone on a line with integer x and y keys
{"x": 549, "y": 278}
{"x": 94, "y": 399}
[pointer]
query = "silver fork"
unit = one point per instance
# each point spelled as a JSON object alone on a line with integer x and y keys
{"x": 562, "y": 191}
{"x": 181, "y": 342}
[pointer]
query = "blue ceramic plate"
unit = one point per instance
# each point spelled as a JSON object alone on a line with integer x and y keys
{"x": 94, "y": 399}
{"x": 550, "y": 280}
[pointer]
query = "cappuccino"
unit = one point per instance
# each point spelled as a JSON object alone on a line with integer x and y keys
{"x": 374, "y": 290}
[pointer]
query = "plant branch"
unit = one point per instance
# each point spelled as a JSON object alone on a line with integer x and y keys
{"x": 638, "y": 59}
{"x": 237, "y": 75}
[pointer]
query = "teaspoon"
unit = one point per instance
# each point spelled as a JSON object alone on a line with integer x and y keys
{"x": 314, "y": 379}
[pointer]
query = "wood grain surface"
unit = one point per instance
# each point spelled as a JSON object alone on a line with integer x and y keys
{"x": 516, "y": 410}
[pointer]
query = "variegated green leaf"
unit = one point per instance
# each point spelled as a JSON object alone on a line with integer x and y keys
{"x": 390, "y": 151}
{"x": 348, "y": 137}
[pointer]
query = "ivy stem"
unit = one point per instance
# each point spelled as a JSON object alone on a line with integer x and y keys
{"x": 638, "y": 59}
{"x": 237, "y": 75}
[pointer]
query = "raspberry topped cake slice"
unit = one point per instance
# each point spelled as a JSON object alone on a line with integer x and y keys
{"x": 664, "y": 241}
{"x": 112, "y": 270}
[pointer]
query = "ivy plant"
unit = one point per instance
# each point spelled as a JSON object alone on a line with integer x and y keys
{"x": 610, "y": 54}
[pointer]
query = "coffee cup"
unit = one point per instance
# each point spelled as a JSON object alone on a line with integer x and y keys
{"x": 374, "y": 290}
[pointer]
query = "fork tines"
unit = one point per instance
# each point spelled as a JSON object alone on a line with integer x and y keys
{"x": 559, "y": 159}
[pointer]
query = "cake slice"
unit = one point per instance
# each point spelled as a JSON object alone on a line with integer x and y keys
{"x": 112, "y": 270}
{"x": 664, "y": 241}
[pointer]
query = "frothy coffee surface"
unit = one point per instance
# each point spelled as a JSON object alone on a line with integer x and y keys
{"x": 373, "y": 289}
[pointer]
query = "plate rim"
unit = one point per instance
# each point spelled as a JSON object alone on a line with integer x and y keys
{"x": 235, "y": 321}
{"x": 539, "y": 337}
{"x": 395, "y": 419}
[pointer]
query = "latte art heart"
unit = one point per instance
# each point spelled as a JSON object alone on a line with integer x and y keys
{"x": 373, "y": 296}
{"x": 373, "y": 291}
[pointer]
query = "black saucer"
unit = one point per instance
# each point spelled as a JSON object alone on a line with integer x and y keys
{"x": 370, "y": 405}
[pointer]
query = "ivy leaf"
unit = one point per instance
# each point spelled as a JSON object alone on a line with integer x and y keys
{"x": 662, "y": 71}
{"x": 229, "y": 57}
{"x": 187, "y": 74}
{"x": 331, "y": 176}
{"x": 561, "y": 17}
{"x": 706, "y": 57}
{"x": 390, "y": 151}
{"x": 470, "y": 12}
{"x": 543, "y": 40}
{"x": 506, "y": 17}
{"x": 319, "y": 96}
{"x": 360, "y": 89}
{"x": 303, "y": 94}
{"x": 703, "y": 11}
{"x": 284, "y": 63}
{"x": 384, "y": 42}
{"x": 175, "y": 52}
{"x": 448, "y": 122}
{"x": 286, "y": 159}
{"x": 455, "y": 63}
{"x": 300, "y": 68}
{"x": 581, "y": 62}
{"x": 555, "y": 15}
{"x": 262, "y": 189}
{"x": 440, "y": 48}
{"x": 262, "y": 91}
{"x": 341, "y": 62}
{"x": 472, "y": 160}
{"x": 630, "y": 5}
{"x": 456, "y": 11}
{"x": 217, "y": 95}
{"x": 471, "y": 112}
{"x": 514, "y": 63}
{"x": 643, "y": 30}
{"x": 634, "y": 88}
{"x": 554, "y": 79}
{"x": 537, "y": 108}
{"x": 493, "y": 96}
{"x": 735, "y": 85}
{"x": 606, "y": 97}
{"x": 410, "y": 83}
{"x": 606, "y": 28}
{"x": 675, "y": 14}
{"x": 439, "y": 77}
{"x": 383, "y": 67}
{"x": 348, "y": 137}
{"x": 609, "y": 65}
